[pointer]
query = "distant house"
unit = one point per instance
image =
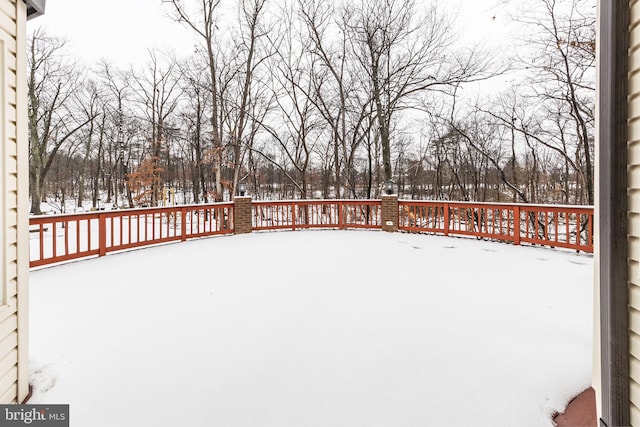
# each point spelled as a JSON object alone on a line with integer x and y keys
{"x": 14, "y": 193}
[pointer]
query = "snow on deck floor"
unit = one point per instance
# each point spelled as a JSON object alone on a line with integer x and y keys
{"x": 315, "y": 328}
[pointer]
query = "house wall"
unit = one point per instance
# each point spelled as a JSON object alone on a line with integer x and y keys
{"x": 14, "y": 237}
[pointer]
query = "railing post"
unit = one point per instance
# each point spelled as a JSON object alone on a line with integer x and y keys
{"x": 340, "y": 219}
{"x": 390, "y": 212}
{"x": 102, "y": 234}
{"x": 242, "y": 218}
{"x": 446, "y": 219}
{"x": 516, "y": 225}
{"x": 293, "y": 215}
{"x": 183, "y": 224}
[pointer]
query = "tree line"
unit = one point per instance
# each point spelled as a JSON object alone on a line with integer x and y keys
{"x": 319, "y": 99}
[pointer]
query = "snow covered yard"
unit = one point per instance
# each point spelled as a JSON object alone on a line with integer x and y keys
{"x": 314, "y": 328}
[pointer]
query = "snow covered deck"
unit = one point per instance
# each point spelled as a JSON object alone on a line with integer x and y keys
{"x": 315, "y": 328}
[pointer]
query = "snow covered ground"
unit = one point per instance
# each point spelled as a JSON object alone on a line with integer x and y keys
{"x": 314, "y": 328}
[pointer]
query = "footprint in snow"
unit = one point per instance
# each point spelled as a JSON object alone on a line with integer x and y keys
{"x": 449, "y": 247}
{"x": 489, "y": 250}
{"x": 576, "y": 262}
{"x": 42, "y": 377}
{"x": 416, "y": 247}
{"x": 542, "y": 259}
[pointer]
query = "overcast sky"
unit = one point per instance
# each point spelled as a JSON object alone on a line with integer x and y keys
{"x": 122, "y": 30}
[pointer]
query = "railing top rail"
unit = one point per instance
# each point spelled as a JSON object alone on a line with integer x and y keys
{"x": 314, "y": 201}
{"x": 50, "y": 217}
{"x": 81, "y": 215}
{"x": 501, "y": 204}
{"x": 125, "y": 211}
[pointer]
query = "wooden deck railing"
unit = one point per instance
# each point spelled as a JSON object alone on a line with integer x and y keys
{"x": 301, "y": 214}
{"x": 58, "y": 238}
{"x": 549, "y": 225}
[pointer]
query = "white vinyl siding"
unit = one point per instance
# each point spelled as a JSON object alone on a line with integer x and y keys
{"x": 13, "y": 160}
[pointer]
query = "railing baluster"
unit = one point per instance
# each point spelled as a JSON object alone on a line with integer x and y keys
{"x": 54, "y": 233}
{"x": 293, "y": 215}
{"x": 516, "y": 225}
{"x": 78, "y": 248}
{"x": 183, "y": 224}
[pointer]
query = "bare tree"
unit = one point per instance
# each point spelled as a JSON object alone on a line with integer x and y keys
{"x": 122, "y": 130}
{"x": 91, "y": 104}
{"x": 339, "y": 94}
{"x": 330, "y": 84}
{"x": 202, "y": 20}
{"x": 318, "y": 97}
{"x": 403, "y": 52}
{"x": 243, "y": 102}
{"x": 157, "y": 90}
{"x": 52, "y": 80}
{"x": 294, "y": 124}
{"x": 194, "y": 125}
{"x": 563, "y": 75}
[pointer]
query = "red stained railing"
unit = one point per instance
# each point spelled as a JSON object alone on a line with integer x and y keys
{"x": 301, "y": 214}
{"x": 549, "y": 225}
{"x": 59, "y": 238}
{"x": 66, "y": 237}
